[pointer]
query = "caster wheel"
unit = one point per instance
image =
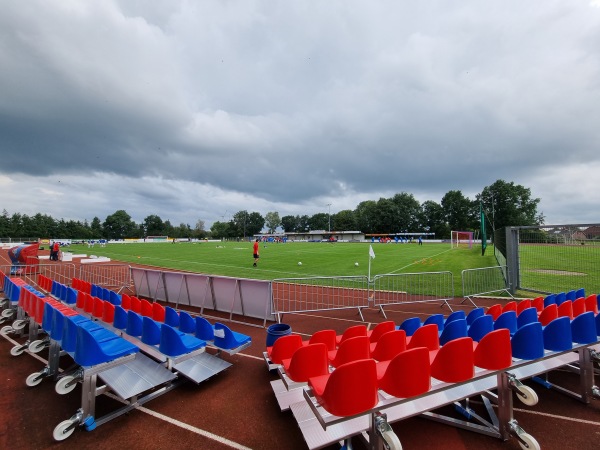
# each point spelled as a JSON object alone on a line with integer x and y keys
{"x": 391, "y": 440}
{"x": 527, "y": 396}
{"x": 19, "y": 324}
{"x": 530, "y": 442}
{"x": 6, "y": 329}
{"x": 63, "y": 430}
{"x": 65, "y": 385}
{"x": 17, "y": 350}
{"x": 34, "y": 379}
{"x": 36, "y": 346}
{"x": 7, "y": 313}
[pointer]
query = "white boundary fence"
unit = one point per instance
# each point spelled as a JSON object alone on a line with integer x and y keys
{"x": 245, "y": 297}
{"x": 116, "y": 277}
{"x": 483, "y": 281}
{"x": 63, "y": 273}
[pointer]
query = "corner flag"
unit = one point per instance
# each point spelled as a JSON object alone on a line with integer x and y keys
{"x": 371, "y": 252}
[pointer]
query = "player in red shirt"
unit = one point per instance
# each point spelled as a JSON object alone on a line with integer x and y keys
{"x": 255, "y": 252}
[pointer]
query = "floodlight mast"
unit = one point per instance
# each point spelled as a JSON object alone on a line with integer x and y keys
{"x": 329, "y": 216}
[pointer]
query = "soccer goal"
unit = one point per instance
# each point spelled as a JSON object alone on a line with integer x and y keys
{"x": 461, "y": 239}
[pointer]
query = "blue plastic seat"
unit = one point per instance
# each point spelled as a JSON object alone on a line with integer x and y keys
{"x": 63, "y": 292}
{"x": 508, "y": 320}
{"x": 557, "y": 335}
{"x": 71, "y": 323}
{"x": 171, "y": 317}
{"x": 134, "y": 324}
{"x": 455, "y": 315}
{"x": 55, "y": 289}
{"x": 561, "y": 297}
{"x": 120, "y": 318}
{"x": 528, "y": 315}
{"x": 480, "y": 327}
{"x": 91, "y": 351}
{"x": 474, "y": 314}
{"x": 204, "y": 329}
{"x": 175, "y": 343}
{"x": 550, "y": 300}
{"x": 453, "y": 330}
{"x": 187, "y": 324}
{"x": 583, "y": 329}
{"x": 437, "y": 319}
{"x": 71, "y": 296}
{"x": 410, "y": 325}
{"x": 58, "y": 324}
{"x": 579, "y": 293}
{"x": 47, "y": 319}
{"x": 230, "y": 339}
{"x": 150, "y": 331}
{"x": 570, "y": 295}
{"x": 114, "y": 298}
{"x": 528, "y": 342}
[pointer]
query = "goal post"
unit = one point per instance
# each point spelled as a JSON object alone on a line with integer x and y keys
{"x": 461, "y": 239}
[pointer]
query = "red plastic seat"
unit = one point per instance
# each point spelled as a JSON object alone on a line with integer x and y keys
{"x": 523, "y": 305}
{"x": 158, "y": 312}
{"x": 454, "y": 362}
{"x": 350, "y": 389}
{"x": 591, "y": 303}
{"x": 565, "y": 309}
{"x": 407, "y": 374}
{"x": 89, "y": 304}
{"x": 494, "y": 311}
{"x": 548, "y": 314}
{"x": 146, "y": 308}
{"x": 351, "y": 349}
{"x": 380, "y": 329}
{"x": 510, "y": 306}
{"x": 356, "y": 330}
{"x": 306, "y": 362}
{"x": 493, "y": 351}
{"x": 126, "y": 302}
{"x": 108, "y": 315}
{"x": 81, "y": 296}
{"x": 538, "y": 303}
{"x": 578, "y": 307}
{"x": 284, "y": 347}
{"x": 389, "y": 345}
{"x": 425, "y": 336}
{"x": 326, "y": 337}
{"x": 98, "y": 307}
{"x": 135, "y": 304}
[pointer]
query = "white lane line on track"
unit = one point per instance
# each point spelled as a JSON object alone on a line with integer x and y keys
{"x": 193, "y": 429}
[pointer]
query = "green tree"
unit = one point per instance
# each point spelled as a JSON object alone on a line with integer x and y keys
{"x": 154, "y": 226}
{"x": 509, "y": 204}
{"x": 199, "y": 229}
{"x": 408, "y": 213}
{"x": 120, "y": 226}
{"x": 319, "y": 221}
{"x": 458, "y": 211}
{"x": 254, "y": 224}
{"x": 365, "y": 215}
{"x": 344, "y": 220}
{"x": 96, "y": 228}
{"x": 432, "y": 219}
{"x": 272, "y": 221}
{"x": 219, "y": 230}
{"x": 289, "y": 223}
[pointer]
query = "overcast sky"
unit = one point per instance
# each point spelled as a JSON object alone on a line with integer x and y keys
{"x": 199, "y": 109}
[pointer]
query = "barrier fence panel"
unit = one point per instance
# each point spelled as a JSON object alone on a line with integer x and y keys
{"x": 554, "y": 258}
{"x": 116, "y": 277}
{"x": 412, "y": 288}
{"x": 62, "y": 273}
{"x": 248, "y": 298}
{"x": 294, "y": 295}
{"x": 486, "y": 280}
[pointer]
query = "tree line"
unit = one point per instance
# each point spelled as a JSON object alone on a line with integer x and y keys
{"x": 504, "y": 204}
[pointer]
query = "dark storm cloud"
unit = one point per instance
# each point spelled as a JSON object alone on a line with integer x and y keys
{"x": 189, "y": 109}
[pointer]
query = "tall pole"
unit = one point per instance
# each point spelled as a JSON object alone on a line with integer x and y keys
{"x": 329, "y": 216}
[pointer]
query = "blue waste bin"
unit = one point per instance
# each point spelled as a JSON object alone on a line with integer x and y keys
{"x": 277, "y": 330}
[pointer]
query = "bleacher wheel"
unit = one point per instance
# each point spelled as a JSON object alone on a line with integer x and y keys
{"x": 34, "y": 379}
{"x": 17, "y": 350}
{"x": 391, "y": 441}
{"x": 529, "y": 442}
{"x": 63, "y": 430}
{"x": 37, "y": 346}
{"x": 18, "y": 325}
{"x": 527, "y": 395}
{"x": 65, "y": 385}
{"x": 6, "y": 329}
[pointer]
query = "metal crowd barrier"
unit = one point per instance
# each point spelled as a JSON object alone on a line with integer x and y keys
{"x": 296, "y": 295}
{"x": 484, "y": 281}
{"x": 116, "y": 277}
